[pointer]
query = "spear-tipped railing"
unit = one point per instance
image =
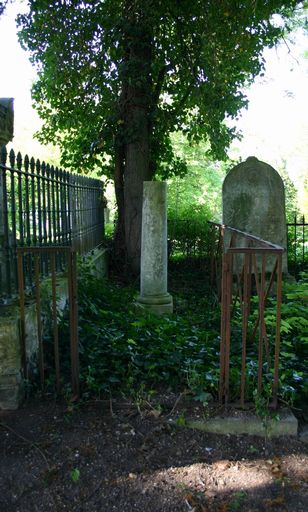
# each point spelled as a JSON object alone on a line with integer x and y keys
{"x": 42, "y": 205}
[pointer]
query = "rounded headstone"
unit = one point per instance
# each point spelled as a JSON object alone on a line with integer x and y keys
{"x": 254, "y": 202}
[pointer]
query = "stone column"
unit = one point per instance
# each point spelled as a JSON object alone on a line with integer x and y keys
{"x": 6, "y": 135}
{"x": 154, "y": 259}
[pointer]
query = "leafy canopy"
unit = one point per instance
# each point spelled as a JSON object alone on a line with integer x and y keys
{"x": 200, "y": 55}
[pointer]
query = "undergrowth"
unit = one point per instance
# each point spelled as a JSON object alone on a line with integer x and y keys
{"x": 123, "y": 351}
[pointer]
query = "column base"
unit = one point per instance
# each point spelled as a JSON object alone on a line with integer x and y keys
{"x": 158, "y": 304}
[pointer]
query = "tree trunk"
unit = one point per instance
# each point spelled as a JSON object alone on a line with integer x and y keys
{"x": 137, "y": 147}
{"x": 119, "y": 238}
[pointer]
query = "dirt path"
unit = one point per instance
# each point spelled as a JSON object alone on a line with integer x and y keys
{"x": 53, "y": 458}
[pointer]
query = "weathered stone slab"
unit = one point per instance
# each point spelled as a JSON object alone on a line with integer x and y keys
{"x": 250, "y": 424}
{"x": 11, "y": 385}
{"x": 9, "y": 350}
{"x": 254, "y": 202}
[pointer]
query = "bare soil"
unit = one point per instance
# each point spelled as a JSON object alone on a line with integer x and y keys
{"x": 103, "y": 457}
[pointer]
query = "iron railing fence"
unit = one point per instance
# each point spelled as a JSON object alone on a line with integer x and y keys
{"x": 191, "y": 240}
{"x": 42, "y": 205}
{"x": 297, "y": 245}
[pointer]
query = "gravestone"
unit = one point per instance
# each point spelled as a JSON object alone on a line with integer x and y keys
{"x": 6, "y": 120}
{"x": 254, "y": 202}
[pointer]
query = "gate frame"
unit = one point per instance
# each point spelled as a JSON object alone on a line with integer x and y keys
{"x": 73, "y": 311}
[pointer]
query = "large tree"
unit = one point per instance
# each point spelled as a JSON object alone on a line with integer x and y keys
{"x": 116, "y": 77}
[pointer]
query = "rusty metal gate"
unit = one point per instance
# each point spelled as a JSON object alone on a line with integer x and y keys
{"x": 47, "y": 256}
{"x": 248, "y": 262}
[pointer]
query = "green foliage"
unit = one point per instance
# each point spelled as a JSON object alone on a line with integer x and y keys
{"x": 291, "y": 199}
{"x": 237, "y": 501}
{"x": 185, "y": 62}
{"x": 293, "y": 374}
{"x": 197, "y": 193}
{"x": 121, "y": 351}
{"x": 294, "y": 340}
{"x": 262, "y": 406}
{"x": 75, "y": 475}
{"x": 193, "y": 199}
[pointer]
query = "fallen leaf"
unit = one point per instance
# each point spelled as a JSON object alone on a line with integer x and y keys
{"x": 276, "y": 502}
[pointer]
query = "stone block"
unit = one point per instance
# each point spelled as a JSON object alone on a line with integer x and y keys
{"x": 11, "y": 391}
{"x": 286, "y": 425}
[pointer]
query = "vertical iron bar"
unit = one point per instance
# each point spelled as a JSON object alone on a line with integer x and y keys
{"x": 20, "y": 201}
{"x": 261, "y": 327}
{"x": 32, "y": 167}
{"x": 54, "y": 210}
{"x": 6, "y": 241}
{"x": 44, "y": 216}
{"x": 68, "y": 207}
{"x": 49, "y": 210}
{"x": 54, "y": 320}
{"x": 303, "y": 242}
{"x": 57, "y": 193}
{"x": 58, "y": 228}
{"x": 228, "y": 322}
{"x": 28, "y": 260}
{"x": 295, "y": 245}
{"x": 39, "y": 317}
{"x": 22, "y": 313}
{"x": 223, "y": 329}
{"x": 73, "y": 322}
{"x": 73, "y": 210}
{"x": 245, "y": 307}
{"x": 278, "y": 321}
{"x": 39, "y": 201}
{"x": 13, "y": 244}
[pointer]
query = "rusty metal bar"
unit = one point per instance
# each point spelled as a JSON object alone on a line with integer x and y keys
{"x": 225, "y": 326}
{"x": 73, "y": 323}
{"x": 47, "y": 249}
{"x": 223, "y": 323}
{"x": 261, "y": 328}
{"x": 228, "y": 328}
{"x": 248, "y": 236}
{"x": 278, "y": 322}
{"x": 54, "y": 320}
{"x": 254, "y": 250}
{"x": 20, "y": 273}
{"x": 245, "y": 305}
{"x": 39, "y": 318}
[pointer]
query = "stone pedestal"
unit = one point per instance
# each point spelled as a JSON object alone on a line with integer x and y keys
{"x": 154, "y": 260}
